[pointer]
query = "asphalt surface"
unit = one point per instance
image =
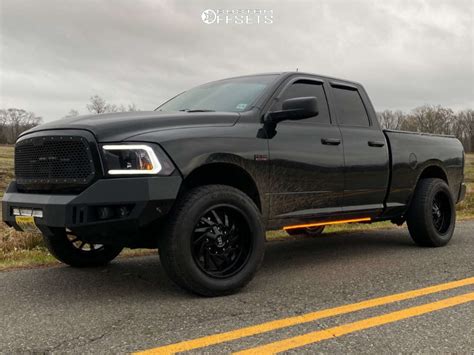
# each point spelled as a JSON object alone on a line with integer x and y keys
{"x": 131, "y": 305}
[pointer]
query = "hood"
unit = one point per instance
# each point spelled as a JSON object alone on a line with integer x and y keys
{"x": 113, "y": 127}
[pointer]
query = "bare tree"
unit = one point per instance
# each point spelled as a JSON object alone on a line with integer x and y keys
{"x": 391, "y": 119}
{"x": 430, "y": 119}
{"x": 98, "y": 105}
{"x": 72, "y": 113}
{"x": 464, "y": 128}
{"x": 14, "y": 121}
{"x": 132, "y": 107}
{"x": 3, "y": 124}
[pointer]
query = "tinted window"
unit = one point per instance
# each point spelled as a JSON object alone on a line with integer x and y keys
{"x": 349, "y": 107}
{"x": 305, "y": 89}
{"x": 230, "y": 95}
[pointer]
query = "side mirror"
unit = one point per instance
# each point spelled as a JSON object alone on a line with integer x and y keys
{"x": 297, "y": 108}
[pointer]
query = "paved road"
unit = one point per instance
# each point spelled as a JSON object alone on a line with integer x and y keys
{"x": 131, "y": 306}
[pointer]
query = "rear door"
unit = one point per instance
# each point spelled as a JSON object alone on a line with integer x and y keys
{"x": 366, "y": 160}
{"x": 306, "y": 158}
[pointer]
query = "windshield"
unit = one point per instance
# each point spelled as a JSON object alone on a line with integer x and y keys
{"x": 229, "y": 95}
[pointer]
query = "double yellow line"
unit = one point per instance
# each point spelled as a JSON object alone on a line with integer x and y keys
{"x": 316, "y": 336}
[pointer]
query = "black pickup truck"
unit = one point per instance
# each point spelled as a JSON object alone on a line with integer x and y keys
{"x": 204, "y": 175}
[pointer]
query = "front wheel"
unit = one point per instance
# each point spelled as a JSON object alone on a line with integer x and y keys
{"x": 432, "y": 215}
{"x": 215, "y": 240}
{"x": 71, "y": 250}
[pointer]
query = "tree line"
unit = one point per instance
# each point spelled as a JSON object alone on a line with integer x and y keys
{"x": 98, "y": 105}
{"x": 433, "y": 119}
{"x": 428, "y": 118}
{"x": 14, "y": 121}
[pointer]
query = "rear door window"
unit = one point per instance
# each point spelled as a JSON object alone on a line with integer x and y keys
{"x": 349, "y": 108}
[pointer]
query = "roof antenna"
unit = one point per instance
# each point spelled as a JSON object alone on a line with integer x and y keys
{"x": 297, "y": 69}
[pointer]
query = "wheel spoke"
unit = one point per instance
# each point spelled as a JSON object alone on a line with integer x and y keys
{"x": 200, "y": 238}
{"x": 207, "y": 259}
{"x": 202, "y": 229}
{"x": 441, "y": 212}
{"x": 216, "y": 216}
{"x": 84, "y": 245}
{"x": 233, "y": 238}
{"x": 207, "y": 221}
{"x": 213, "y": 258}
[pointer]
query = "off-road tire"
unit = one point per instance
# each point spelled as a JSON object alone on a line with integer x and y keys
{"x": 426, "y": 229}
{"x": 176, "y": 245}
{"x": 63, "y": 249}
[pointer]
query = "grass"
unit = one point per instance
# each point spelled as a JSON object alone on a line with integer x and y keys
{"x": 19, "y": 250}
{"x": 6, "y": 166}
{"x": 466, "y": 208}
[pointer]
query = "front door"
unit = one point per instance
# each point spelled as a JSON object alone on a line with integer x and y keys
{"x": 306, "y": 159}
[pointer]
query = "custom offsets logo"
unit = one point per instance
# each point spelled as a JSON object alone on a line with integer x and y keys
{"x": 237, "y": 17}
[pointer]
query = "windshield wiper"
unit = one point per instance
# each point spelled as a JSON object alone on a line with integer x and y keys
{"x": 197, "y": 110}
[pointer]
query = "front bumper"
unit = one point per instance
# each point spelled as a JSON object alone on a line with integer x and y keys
{"x": 148, "y": 200}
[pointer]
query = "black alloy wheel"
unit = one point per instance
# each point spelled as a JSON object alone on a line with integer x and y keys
{"x": 220, "y": 243}
{"x": 441, "y": 212}
{"x": 73, "y": 251}
{"x": 214, "y": 240}
{"x": 83, "y": 246}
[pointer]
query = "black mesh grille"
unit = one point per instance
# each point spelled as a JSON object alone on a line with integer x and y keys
{"x": 53, "y": 160}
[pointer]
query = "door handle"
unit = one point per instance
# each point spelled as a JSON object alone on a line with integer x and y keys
{"x": 375, "y": 143}
{"x": 330, "y": 141}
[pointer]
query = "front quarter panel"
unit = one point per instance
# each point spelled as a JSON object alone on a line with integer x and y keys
{"x": 190, "y": 148}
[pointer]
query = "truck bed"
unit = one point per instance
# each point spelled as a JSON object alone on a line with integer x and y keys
{"x": 411, "y": 153}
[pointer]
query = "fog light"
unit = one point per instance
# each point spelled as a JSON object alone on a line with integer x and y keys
{"x": 105, "y": 212}
{"x": 123, "y": 211}
{"x": 37, "y": 213}
{"x": 26, "y": 211}
{"x": 16, "y": 211}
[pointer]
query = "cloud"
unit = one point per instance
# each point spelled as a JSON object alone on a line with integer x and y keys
{"x": 56, "y": 54}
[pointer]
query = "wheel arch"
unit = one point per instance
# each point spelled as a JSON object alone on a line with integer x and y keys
{"x": 223, "y": 173}
{"x": 430, "y": 170}
{"x": 433, "y": 170}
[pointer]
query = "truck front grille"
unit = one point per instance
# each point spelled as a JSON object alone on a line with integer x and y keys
{"x": 49, "y": 162}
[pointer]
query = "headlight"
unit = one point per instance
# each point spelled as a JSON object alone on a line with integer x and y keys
{"x": 133, "y": 159}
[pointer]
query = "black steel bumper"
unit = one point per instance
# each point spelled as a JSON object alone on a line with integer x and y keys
{"x": 147, "y": 200}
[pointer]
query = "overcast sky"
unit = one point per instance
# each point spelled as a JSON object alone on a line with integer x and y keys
{"x": 56, "y": 54}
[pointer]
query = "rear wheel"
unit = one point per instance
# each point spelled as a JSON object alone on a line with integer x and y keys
{"x": 71, "y": 250}
{"x": 432, "y": 215}
{"x": 214, "y": 243}
{"x": 308, "y": 231}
